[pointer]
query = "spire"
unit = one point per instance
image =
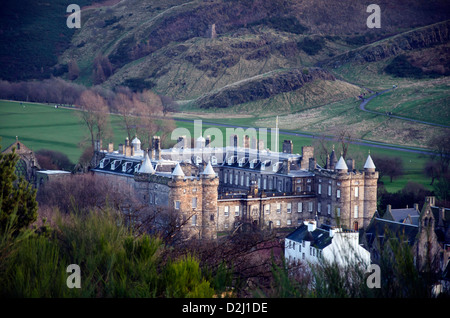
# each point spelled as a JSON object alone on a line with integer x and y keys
{"x": 341, "y": 165}
{"x": 369, "y": 163}
{"x": 146, "y": 166}
{"x": 209, "y": 171}
{"x": 178, "y": 172}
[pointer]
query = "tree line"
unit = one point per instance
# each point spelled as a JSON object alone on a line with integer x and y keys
{"x": 142, "y": 112}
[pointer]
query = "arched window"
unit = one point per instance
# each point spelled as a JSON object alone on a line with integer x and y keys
{"x": 21, "y": 168}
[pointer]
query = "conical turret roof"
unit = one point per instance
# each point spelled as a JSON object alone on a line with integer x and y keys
{"x": 146, "y": 166}
{"x": 209, "y": 171}
{"x": 178, "y": 172}
{"x": 341, "y": 165}
{"x": 369, "y": 163}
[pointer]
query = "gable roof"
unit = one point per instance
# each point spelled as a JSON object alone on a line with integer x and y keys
{"x": 381, "y": 228}
{"x": 319, "y": 238}
{"x": 405, "y": 215}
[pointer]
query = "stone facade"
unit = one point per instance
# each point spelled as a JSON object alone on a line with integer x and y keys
{"x": 223, "y": 189}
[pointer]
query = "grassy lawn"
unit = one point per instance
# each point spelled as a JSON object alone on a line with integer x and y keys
{"x": 42, "y": 126}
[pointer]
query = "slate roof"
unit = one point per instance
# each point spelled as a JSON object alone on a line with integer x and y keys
{"x": 378, "y": 227}
{"x": 403, "y": 215}
{"x": 118, "y": 165}
{"x": 319, "y": 238}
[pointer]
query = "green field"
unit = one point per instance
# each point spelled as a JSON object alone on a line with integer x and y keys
{"x": 41, "y": 126}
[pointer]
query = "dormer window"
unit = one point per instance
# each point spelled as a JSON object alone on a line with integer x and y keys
{"x": 103, "y": 163}
{"x": 115, "y": 164}
{"x": 126, "y": 166}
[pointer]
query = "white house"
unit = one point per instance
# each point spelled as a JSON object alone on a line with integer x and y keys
{"x": 309, "y": 244}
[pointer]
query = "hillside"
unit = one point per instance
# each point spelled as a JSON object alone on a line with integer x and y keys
{"x": 241, "y": 55}
{"x": 169, "y": 46}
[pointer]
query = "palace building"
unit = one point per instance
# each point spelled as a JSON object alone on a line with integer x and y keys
{"x": 221, "y": 189}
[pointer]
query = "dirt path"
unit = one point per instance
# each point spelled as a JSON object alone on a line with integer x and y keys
{"x": 363, "y": 104}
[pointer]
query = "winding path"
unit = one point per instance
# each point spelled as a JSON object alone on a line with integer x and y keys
{"x": 363, "y": 104}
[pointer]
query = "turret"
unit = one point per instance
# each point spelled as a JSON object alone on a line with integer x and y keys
{"x": 210, "y": 184}
{"x": 341, "y": 166}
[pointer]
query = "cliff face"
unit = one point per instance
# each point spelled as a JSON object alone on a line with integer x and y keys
{"x": 262, "y": 87}
{"x": 425, "y": 37}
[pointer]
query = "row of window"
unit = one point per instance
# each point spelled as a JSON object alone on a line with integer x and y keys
{"x": 267, "y": 208}
{"x": 267, "y": 183}
{"x": 309, "y": 206}
{"x": 338, "y": 191}
{"x": 312, "y": 250}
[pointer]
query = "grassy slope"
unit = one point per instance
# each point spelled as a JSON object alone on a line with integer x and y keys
{"x": 42, "y": 126}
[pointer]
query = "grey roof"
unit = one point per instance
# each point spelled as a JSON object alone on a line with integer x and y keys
{"x": 403, "y": 215}
{"x": 178, "y": 172}
{"x": 369, "y": 163}
{"x": 209, "y": 171}
{"x": 146, "y": 166}
{"x": 382, "y": 228}
{"x": 341, "y": 165}
{"x": 319, "y": 238}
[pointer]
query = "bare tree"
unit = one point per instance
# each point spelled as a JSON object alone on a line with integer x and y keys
{"x": 129, "y": 108}
{"x": 344, "y": 136}
{"x": 94, "y": 113}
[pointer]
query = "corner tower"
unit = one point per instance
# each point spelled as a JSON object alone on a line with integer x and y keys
{"x": 370, "y": 190}
{"x": 210, "y": 184}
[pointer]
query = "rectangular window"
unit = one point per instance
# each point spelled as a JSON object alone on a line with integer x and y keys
{"x": 319, "y": 207}
{"x": 177, "y": 205}
{"x": 259, "y": 183}
{"x": 300, "y": 207}
{"x": 247, "y": 182}
{"x": 278, "y": 207}
{"x": 319, "y": 189}
{"x": 338, "y": 212}
{"x": 231, "y": 178}
{"x": 242, "y": 180}
{"x": 194, "y": 202}
{"x": 338, "y": 193}
{"x": 236, "y": 179}
{"x": 356, "y": 212}
{"x": 267, "y": 208}
{"x": 329, "y": 191}
{"x": 225, "y": 177}
{"x": 236, "y": 210}
{"x": 225, "y": 210}
{"x": 356, "y": 192}
{"x": 329, "y": 209}
{"x": 278, "y": 222}
{"x": 289, "y": 207}
{"x": 310, "y": 206}
{"x": 194, "y": 220}
{"x": 299, "y": 189}
{"x": 265, "y": 184}
{"x": 289, "y": 222}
